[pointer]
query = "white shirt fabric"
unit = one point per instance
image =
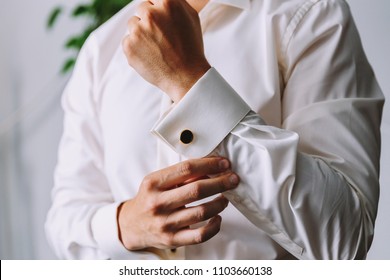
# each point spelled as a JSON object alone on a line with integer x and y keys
{"x": 292, "y": 102}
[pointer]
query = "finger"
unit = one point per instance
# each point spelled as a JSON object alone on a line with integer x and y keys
{"x": 187, "y": 170}
{"x": 196, "y": 236}
{"x": 144, "y": 9}
{"x": 133, "y": 21}
{"x": 194, "y": 180}
{"x": 170, "y": 3}
{"x": 128, "y": 40}
{"x": 193, "y": 215}
{"x": 198, "y": 190}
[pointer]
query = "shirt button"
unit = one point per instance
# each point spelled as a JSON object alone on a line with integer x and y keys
{"x": 186, "y": 137}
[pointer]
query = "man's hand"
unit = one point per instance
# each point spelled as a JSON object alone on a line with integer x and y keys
{"x": 158, "y": 217}
{"x": 165, "y": 46}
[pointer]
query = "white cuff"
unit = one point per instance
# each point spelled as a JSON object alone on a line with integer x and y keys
{"x": 203, "y": 118}
{"x": 105, "y": 231}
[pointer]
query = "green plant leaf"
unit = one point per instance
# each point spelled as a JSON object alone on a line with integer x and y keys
{"x": 97, "y": 11}
{"x": 76, "y": 42}
{"x": 81, "y": 10}
{"x": 68, "y": 65}
{"x": 53, "y": 16}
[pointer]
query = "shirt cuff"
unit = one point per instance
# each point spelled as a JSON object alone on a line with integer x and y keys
{"x": 203, "y": 118}
{"x": 105, "y": 231}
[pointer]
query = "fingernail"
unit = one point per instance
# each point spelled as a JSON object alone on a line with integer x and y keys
{"x": 233, "y": 179}
{"x": 216, "y": 219}
{"x": 226, "y": 203}
{"x": 224, "y": 164}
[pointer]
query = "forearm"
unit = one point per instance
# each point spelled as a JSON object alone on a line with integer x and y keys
{"x": 299, "y": 200}
{"x": 307, "y": 203}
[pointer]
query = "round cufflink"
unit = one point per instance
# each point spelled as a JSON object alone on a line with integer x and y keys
{"x": 186, "y": 136}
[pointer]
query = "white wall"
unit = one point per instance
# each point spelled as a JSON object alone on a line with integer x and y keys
{"x": 373, "y": 20}
{"x": 29, "y": 60}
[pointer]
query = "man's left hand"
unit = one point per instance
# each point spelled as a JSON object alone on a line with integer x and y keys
{"x": 165, "y": 46}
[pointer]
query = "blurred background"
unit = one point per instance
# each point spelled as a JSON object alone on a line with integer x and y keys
{"x": 31, "y": 118}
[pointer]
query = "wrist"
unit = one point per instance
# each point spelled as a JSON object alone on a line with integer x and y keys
{"x": 129, "y": 241}
{"x": 182, "y": 83}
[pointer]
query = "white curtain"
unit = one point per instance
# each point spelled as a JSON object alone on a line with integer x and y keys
{"x": 30, "y": 121}
{"x": 28, "y": 145}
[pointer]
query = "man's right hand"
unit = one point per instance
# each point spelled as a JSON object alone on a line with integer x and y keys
{"x": 157, "y": 217}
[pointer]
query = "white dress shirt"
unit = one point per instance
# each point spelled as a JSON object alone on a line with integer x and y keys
{"x": 292, "y": 102}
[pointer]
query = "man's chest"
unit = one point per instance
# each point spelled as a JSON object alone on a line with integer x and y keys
{"x": 129, "y": 106}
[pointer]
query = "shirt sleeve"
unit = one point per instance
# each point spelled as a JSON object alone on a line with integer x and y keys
{"x": 312, "y": 183}
{"x": 82, "y": 222}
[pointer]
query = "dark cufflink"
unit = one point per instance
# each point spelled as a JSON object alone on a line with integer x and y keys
{"x": 186, "y": 137}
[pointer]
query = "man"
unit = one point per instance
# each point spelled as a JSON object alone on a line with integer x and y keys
{"x": 270, "y": 105}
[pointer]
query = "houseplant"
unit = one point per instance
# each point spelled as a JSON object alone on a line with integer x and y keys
{"x": 96, "y": 11}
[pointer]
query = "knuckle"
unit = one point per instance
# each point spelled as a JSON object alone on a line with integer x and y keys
{"x": 226, "y": 183}
{"x": 167, "y": 239}
{"x": 135, "y": 33}
{"x": 126, "y": 43}
{"x": 201, "y": 213}
{"x": 148, "y": 182}
{"x": 166, "y": 3}
{"x": 218, "y": 185}
{"x": 148, "y": 15}
{"x": 129, "y": 43}
{"x": 213, "y": 164}
{"x": 130, "y": 23}
{"x": 195, "y": 191}
{"x": 186, "y": 168}
{"x": 156, "y": 207}
{"x": 200, "y": 237}
{"x": 145, "y": 11}
{"x": 166, "y": 226}
{"x": 161, "y": 225}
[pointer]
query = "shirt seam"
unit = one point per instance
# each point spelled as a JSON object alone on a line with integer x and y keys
{"x": 293, "y": 24}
